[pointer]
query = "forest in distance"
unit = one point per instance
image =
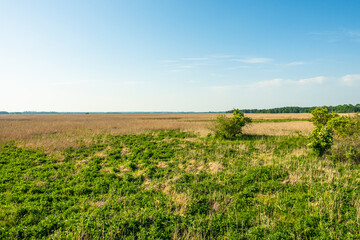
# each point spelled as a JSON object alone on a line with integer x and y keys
{"x": 345, "y": 108}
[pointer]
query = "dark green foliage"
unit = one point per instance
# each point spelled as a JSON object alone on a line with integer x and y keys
{"x": 346, "y": 108}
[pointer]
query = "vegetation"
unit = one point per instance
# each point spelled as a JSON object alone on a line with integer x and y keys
{"x": 346, "y": 108}
{"x": 230, "y": 128}
{"x": 321, "y": 139}
{"x": 346, "y": 130}
{"x": 178, "y": 185}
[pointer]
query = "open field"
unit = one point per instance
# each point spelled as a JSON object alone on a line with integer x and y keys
{"x": 62, "y": 131}
{"x": 161, "y": 177}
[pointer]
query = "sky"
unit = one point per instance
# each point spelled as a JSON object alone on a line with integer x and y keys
{"x": 185, "y": 55}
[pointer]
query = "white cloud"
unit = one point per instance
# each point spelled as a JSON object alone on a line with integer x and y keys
{"x": 317, "y": 80}
{"x": 280, "y": 82}
{"x": 295, "y": 63}
{"x": 196, "y": 59}
{"x": 222, "y": 56}
{"x": 237, "y": 67}
{"x": 338, "y": 35}
{"x": 185, "y": 66}
{"x": 182, "y": 68}
{"x": 254, "y": 60}
{"x": 350, "y": 79}
{"x": 270, "y": 83}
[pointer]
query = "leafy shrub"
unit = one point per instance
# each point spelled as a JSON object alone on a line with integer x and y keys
{"x": 321, "y": 139}
{"x": 230, "y": 128}
{"x": 346, "y": 126}
{"x": 321, "y": 116}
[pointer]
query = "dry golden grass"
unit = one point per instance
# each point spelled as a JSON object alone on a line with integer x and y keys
{"x": 279, "y": 128}
{"x": 57, "y": 132}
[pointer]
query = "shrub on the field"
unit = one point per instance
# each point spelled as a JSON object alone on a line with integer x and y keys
{"x": 321, "y": 139}
{"x": 321, "y": 116}
{"x": 346, "y": 126}
{"x": 230, "y": 128}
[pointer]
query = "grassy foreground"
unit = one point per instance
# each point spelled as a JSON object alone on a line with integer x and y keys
{"x": 177, "y": 185}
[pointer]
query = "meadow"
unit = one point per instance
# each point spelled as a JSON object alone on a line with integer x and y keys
{"x": 163, "y": 176}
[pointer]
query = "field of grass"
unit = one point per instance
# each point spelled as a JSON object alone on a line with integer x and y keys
{"x": 161, "y": 177}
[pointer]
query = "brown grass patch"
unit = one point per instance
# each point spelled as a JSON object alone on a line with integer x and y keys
{"x": 279, "y": 128}
{"x": 162, "y": 165}
{"x": 54, "y": 133}
{"x": 215, "y": 167}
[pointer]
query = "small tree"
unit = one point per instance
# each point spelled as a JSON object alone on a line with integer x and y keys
{"x": 321, "y": 116}
{"x": 321, "y": 138}
{"x": 230, "y": 128}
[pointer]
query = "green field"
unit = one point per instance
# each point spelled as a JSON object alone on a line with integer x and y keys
{"x": 177, "y": 185}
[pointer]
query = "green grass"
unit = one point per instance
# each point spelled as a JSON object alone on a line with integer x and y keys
{"x": 176, "y": 185}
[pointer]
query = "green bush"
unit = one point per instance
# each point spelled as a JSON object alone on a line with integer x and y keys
{"x": 321, "y": 116}
{"x": 321, "y": 139}
{"x": 230, "y": 128}
{"x": 346, "y": 126}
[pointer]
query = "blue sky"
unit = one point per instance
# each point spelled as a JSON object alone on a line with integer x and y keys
{"x": 183, "y": 55}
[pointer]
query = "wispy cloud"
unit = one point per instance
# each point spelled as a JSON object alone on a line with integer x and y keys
{"x": 220, "y": 88}
{"x": 269, "y": 83}
{"x": 294, "y": 63}
{"x": 350, "y": 79}
{"x": 181, "y": 68}
{"x": 222, "y": 56}
{"x": 277, "y": 82}
{"x": 238, "y": 67}
{"x": 254, "y": 60}
{"x": 338, "y": 35}
{"x": 316, "y": 80}
{"x": 196, "y": 59}
{"x": 185, "y": 66}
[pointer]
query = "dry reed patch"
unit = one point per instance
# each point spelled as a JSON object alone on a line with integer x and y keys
{"x": 180, "y": 200}
{"x": 279, "y": 128}
{"x": 55, "y": 133}
{"x": 279, "y": 115}
{"x": 16, "y": 127}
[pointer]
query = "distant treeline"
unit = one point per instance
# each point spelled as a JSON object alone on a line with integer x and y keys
{"x": 46, "y": 113}
{"x": 346, "y": 108}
